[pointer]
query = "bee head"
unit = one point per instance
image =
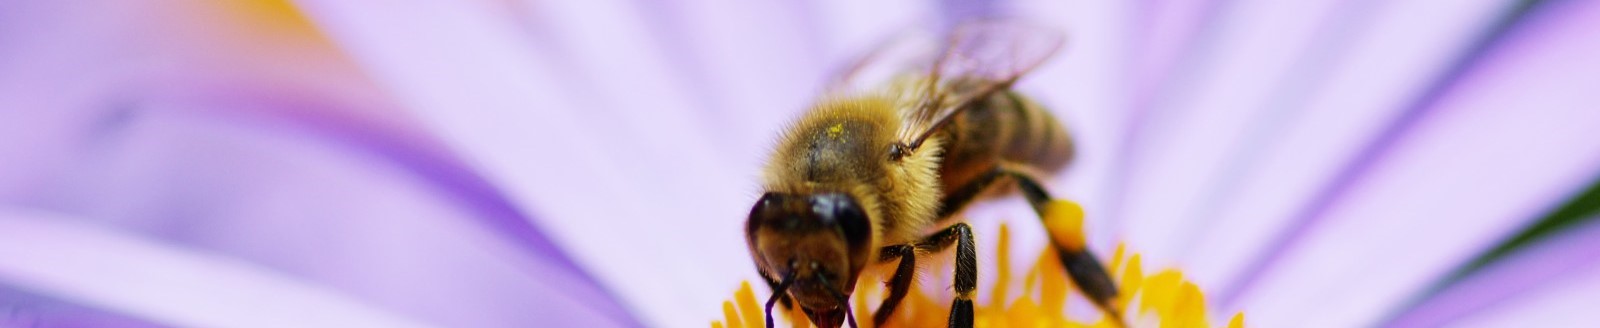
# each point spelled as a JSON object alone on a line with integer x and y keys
{"x": 820, "y": 241}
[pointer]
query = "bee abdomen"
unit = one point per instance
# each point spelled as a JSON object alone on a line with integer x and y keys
{"x": 1036, "y": 137}
{"x": 1006, "y": 127}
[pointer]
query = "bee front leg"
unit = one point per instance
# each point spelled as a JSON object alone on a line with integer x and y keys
{"x": 960, "y": 235}
{"x": 900, "y": 283}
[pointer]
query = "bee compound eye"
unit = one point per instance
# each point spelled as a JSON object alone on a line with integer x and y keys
{"x": 764, "y": 213}
{"x": 845, "y": 213}
{"x": 823, "y": 207}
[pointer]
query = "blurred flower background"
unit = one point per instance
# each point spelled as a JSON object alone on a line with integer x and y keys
{"x": 491, "y": 163}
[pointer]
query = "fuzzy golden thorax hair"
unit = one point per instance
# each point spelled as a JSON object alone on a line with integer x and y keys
{"x": 841, "y": 145}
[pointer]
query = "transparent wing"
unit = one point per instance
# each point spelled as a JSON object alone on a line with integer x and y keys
{"x": 979, "y": 59}
{"x": 897, "y": 55}
{"x": 997, "y": 50}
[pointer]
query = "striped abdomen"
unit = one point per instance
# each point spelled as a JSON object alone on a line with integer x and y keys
{"x": 1006, "y": 127}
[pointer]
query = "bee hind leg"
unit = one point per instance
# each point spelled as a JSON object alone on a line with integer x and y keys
{"x": 1060, "y": 218}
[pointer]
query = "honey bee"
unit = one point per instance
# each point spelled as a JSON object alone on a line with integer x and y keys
{"x": 868, "y": 178}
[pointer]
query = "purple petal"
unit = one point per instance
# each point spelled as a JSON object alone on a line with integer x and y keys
{"x": 1228, "y": 105}
{"x": 1166, "y": 34}
{"x": 1508, "y": 139}
{"x": 1560, "y": 273}
{"x": 1394, "y": 50}
{"x": 20, "y": 308}
{"x": 300, "y": 166}
{"x": 608, "y": 191}
{"x": 754, "y": 63}
{"x": 847, "y": 28}
{"x": 1085, "y": 86}
{"x": 1566, "y": 303}
{"x": 100, "y": 267}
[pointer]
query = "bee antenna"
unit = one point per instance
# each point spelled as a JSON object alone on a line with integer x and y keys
{"x": 777, "y": 293}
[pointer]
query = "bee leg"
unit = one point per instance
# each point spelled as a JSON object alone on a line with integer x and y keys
{"x": 1082, "y": 266}
{"x": 1084, "y": 269}
{"x": 959, "y": 234}
{"x": 900, "y": 283}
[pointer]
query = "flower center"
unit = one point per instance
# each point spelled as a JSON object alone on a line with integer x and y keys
{"x": 1162, "y": 299}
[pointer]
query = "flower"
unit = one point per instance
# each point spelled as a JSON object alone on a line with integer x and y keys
{"x": 587, "y": 163}
{"x": 1164, "y": 298}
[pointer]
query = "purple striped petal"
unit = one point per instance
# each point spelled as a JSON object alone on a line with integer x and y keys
{"x": 95, "y": 266}
{"x": 1566, "y": 303}
{"x": 1282, "y": 153}
{"x": 236, "y": 129}
{"x": 1540, "y": 282}
{"x": 1085, "y": 85}
{"x": 1394, "y": 50}
{"x": 1508, "y": 139}
{"x": 609, "y": 191}
{"x": 1205, "y": 127}
{"x": 20, "y": 308}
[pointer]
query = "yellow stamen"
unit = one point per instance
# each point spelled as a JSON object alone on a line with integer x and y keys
{"x": 730, "y": 316}
{"x": 748, "y": 307}
{"x": 1029, "y": 281}
{"x": 1022, "y": 313}
{"x": 1190, "y": 308}
{"x": 1053, "y": 278}
{"x": 1132, "y": 276}
{"x": 1003, "y": 276}
{"x": 1164, "y": 298}
{"x": 1160, "y": 291}
{"x": 1116, "y": 260}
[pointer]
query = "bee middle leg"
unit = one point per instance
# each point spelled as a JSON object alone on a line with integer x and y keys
{"x": 1082, "y": 267}
{"x": 966, "y": 275}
